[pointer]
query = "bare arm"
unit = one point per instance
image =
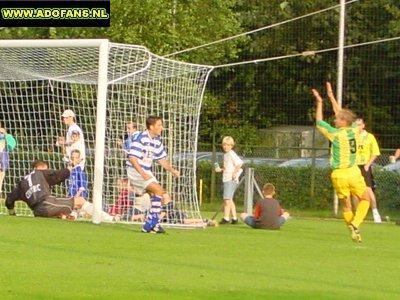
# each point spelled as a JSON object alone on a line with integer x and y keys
{"x": 397, "y": 154}
{"x": 138, "y": 168}
{"x": 318, "y": 101}
{"x": 331, "y": 96}
{"x": 167, "y": 166}
{"x": 369, "y": 163}
{"x": 236, "y": 170}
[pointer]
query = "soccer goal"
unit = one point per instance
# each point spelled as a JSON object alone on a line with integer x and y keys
{"x": 106, "y": 85}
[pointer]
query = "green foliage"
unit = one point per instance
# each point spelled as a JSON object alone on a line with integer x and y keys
{"x": 294, "y": 186}
{"x": 163, "y": 26}
{"x": 388, "y": 189}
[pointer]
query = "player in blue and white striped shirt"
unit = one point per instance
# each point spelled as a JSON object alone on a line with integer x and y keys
{"x": 146, "y": 148}
{"x": 131, "y": 134}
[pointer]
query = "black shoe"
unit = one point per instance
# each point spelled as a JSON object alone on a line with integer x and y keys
{"x": 223, "y": 221}
{"x": 158, "y": 229}
{"x": 234, "y": 221}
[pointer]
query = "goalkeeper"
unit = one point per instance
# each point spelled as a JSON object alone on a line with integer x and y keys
{"x": 346, "y": 176}
{"x": 147, "y": 147}
{"x": 35, "y": 190}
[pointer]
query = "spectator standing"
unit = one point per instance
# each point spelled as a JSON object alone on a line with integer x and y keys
{"x": 230, "y": 176}
{"x": 78, "y": 183}
{"x": 68, "y": 117}
{"x": 7, "y": 144}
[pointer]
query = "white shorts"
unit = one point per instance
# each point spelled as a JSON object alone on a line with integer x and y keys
{"x": 137, "y": 180}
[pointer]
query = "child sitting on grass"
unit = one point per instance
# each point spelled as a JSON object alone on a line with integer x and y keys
{"x": 268, "y": 213}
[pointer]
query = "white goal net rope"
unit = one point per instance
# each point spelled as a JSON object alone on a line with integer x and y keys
{"x": 38, "y": 83}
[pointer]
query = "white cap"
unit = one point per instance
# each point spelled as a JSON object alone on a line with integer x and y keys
{"x": 68, "y": 113}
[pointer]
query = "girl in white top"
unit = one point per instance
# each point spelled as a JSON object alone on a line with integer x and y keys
{"x": 230, "y": 177}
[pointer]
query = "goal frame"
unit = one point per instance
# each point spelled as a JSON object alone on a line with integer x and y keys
{"x": 102, "y": 84}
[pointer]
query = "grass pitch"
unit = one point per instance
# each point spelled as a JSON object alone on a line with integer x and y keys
{"x": 54, "y": 259}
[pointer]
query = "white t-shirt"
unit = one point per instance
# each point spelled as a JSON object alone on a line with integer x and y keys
{"x": 231, "y": 160}
{"x": 79, "y": 145}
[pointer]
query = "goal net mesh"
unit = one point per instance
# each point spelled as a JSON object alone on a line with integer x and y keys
{"x": 38, "y": 84}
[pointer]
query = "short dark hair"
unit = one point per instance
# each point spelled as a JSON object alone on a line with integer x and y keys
{"x": 38, "y": 163}
{"x": 76, "y": 151}
{"x": 151, "y": 120}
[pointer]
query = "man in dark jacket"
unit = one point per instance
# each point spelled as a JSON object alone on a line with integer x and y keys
{"x": 35, "y": 190}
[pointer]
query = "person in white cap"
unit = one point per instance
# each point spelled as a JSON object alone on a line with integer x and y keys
{"x": 68, "y": 117}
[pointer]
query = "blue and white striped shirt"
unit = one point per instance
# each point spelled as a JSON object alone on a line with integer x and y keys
{"x": 129, "y": 140}
{"x": 146, "y": 149}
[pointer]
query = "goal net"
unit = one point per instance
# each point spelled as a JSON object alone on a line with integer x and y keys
{"x": 106, "y": 85}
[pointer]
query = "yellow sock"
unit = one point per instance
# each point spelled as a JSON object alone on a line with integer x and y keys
{"x": 361, "y": 212}
{"x": 348, "y": 216}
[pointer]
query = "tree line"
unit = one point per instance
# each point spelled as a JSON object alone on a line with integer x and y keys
{"x": 241, "y": 100}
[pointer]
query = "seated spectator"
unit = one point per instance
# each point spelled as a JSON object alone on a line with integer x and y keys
{"x": 123, "y": 202}
{"x": 395, "y": 156}
{"x": 268, "y": 213}
{"x": 76, "y": 143}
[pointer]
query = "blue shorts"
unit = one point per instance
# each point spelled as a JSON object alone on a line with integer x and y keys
{"x": 251, "y": 221}
{"x": 229, "y": 189}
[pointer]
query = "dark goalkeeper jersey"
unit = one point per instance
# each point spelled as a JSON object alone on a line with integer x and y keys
{"x": 36, "y": 187}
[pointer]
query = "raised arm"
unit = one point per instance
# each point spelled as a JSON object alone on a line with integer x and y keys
{"x": 318, "y": 102}
{"x": 167, "y": 166}
{"x": 331, "y": 96}
{"x": 54, "y": 177}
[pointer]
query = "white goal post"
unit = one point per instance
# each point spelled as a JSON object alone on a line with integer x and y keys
{"x": 106, "y": 85}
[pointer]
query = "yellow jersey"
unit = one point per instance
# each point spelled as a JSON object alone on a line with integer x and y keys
{"x": 343, "y": 144}
{"x": 366, "y": 148}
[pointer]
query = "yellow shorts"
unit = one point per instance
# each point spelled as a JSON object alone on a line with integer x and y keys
{"x": 348, "y": 182}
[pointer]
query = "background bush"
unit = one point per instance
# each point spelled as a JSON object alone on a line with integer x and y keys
{"x": 294, "y": 186}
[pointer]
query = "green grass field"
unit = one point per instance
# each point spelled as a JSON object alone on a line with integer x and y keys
{"x": 307, "y": 258}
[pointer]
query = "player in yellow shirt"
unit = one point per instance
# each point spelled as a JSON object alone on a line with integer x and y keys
{"x": 367, "y": 152}
{"x": 346, "y": 176}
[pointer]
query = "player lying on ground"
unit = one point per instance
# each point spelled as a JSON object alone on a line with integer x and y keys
{"x": 35, "y": 190}
{"x": 346, "y": 176}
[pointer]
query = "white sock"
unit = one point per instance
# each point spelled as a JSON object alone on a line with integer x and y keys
{"x": 375, "y": 211}
{"x": 88, "y": 208}
{"x": 106, "y": 217}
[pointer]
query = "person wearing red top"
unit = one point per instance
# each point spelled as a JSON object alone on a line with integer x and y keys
{"x": 268, "y": 214}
